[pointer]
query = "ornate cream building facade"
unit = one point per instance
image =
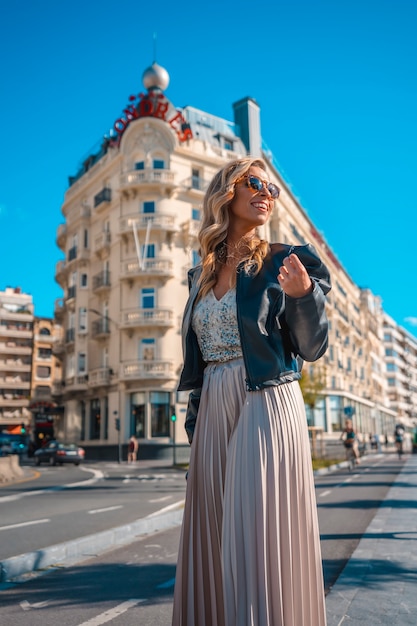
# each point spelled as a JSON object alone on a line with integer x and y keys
{"x": 131, "y": 216}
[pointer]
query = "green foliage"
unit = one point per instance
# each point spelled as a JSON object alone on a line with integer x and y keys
{"x": 312, "y": 384}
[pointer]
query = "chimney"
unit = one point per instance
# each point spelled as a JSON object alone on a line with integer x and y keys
{"x": 247, "y": 117}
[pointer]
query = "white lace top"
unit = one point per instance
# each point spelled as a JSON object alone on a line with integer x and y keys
{"x": 215, "y": 324}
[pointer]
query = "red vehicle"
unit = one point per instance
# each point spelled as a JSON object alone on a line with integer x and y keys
{"x": 57, "y": 453}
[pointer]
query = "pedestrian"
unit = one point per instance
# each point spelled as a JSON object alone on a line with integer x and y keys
{"x": 350, "y": 441}
{"x": 249, "y": 551}
{"x": 132, "y": 449}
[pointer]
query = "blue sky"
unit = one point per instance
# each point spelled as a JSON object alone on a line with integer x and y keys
{"x": 337, "y": 87}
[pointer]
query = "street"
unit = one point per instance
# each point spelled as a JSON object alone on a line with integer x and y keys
{"x": 134, "y": 584}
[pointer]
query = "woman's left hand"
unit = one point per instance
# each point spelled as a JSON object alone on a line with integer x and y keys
{"x": 293, "y": 277}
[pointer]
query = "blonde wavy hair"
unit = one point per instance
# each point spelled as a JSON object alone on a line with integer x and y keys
{"x": 215, "y": 224}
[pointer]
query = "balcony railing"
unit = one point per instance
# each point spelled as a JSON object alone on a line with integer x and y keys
{"x": 61, "y": 235}
{"x": 71, "y": 292}
{"x": 99, "y": 377}
{"x": 140, "y": 221}
{"x": 101, "y": 280}
{"x": 100, "y": 328}
{"x": 11, "y": 348}
{"x": 76, "y": 383}
{"x": 152, "y": 267}
{"x": 147, "y": 317}
{"x": 147, "y": 369}
{"x": 70, "y": 335}
{"x": 103, "y": 196}
{"x": 102, "y": 241}
{"x": 137, "y": 178}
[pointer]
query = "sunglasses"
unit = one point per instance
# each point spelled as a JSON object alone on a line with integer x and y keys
{"x": 256, "y": 184}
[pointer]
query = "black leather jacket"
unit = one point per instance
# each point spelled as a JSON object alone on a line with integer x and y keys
{"x": 277, "y": 332}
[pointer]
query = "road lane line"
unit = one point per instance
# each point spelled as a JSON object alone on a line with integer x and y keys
{"x": 325, "y": 493}
{"x": 111, "y": 614}
{"x": 35, "y": 521}
{"x": 167, "y": 508}
{"x": 108, "y": 508}
{"x": 161, "y": 499}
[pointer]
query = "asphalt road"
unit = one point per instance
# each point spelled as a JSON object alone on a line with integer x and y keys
{"x": 134, "y": 584}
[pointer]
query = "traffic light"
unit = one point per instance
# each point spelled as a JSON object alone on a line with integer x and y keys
{"x": 22, "y": 429}
{"x": 173, "y": 416}
{"x": 117, "y": 423}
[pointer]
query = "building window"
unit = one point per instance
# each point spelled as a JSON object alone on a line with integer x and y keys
{"x": 140, "y": 165}
{"x": 82, "y": 364}
{"x": 158, "y": 164}
{"x": 85, "y": 238}
{"x": 82, "y": 319}
{"x": 44, "y": 331}
{"x": 148, "y": 207}
{"x": 195, "y": 214}
{"x": 195, "y": 258}
{"x": 195, "y": 179}
{"x": 44, "y": 353}
{"x": 138, "y": 414}
{"x": 95, "y": 418}
{"x": 160, "y": 413}
{"x": 147, "y": 298}
{"x": 147, "y": 349}
{"x": 83, "y": 280}
{"x": 42, "y": 371}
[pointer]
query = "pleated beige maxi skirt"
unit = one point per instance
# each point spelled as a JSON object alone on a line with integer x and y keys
{"x": 249, "y": 551}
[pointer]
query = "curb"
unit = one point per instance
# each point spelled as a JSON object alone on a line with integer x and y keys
{"x": 77, "y": 550}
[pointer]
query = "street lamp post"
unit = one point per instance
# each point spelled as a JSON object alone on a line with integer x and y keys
{"x": 119, "y": 443}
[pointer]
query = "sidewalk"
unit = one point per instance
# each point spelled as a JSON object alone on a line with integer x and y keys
{"x": 379, "y": 583}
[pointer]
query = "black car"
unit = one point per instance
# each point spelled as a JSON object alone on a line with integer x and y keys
{"x": 57, "y": 453}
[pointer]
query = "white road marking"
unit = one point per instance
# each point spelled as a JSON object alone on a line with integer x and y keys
{"x": 161, "y": 499}
{"x": 108, "y": 508}
{"x": 111, "y": 614}
{"x": 19, "y": 525}
{"x": 167, "y": 508}
{"x": 26, "y": 606}
{"x": 325, "y": 493}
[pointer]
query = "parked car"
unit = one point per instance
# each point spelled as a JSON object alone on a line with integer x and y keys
{"x": 57, "y": 453}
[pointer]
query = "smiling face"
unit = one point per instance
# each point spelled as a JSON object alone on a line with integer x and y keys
{"x": 249, "y": 208}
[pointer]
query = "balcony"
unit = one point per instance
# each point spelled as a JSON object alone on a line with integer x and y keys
{"x": 196, "y": 186}
{"x": 11, "y": 348}
{"x": 159, "y": 179}
{"x": 101, "y": 281}
{"x": 42, "y": 394}
{"x": 70, "y": 335}
{"x": 100, "y": 329}
{"x": 13, "y": 402}
{"x": 99, "y": 377}
{"x": 13, "y": 330}
{"x": 57, "y": 388}
{"x": 159, "y": 222}
{"x": 61, "y": 236}
{"x": 71, "y": 292}
{"x": 102, "y": 243}
{"x": 15, "y": 365}
{"x": 61, "y": 273}
{"x": 138, "y": 318}
{"x": 58, "y": 348}
{"x": 8, "y": 382}
{"x": 103, "y": 198}
{"x": 139, "y": 370}
{"x": 163, "y": 268}
{"x": 59, "y": 309}
{"x": 77, "y": 383}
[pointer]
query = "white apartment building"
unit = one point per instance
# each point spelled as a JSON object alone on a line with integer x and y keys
{"x": 16, "y": 335}
{"x": 401, "y": 370}
{"x": 132, "y": 214}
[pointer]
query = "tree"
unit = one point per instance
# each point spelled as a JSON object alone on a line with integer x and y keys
{"x": 312, "y": 384}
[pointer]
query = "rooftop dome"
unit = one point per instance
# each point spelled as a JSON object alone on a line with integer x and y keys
{"x": 155, "y": 77}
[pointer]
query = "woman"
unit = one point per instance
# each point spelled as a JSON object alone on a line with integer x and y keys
{"x": 249, "y": 551}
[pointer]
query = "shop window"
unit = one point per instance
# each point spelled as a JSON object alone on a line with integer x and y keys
{"x": 138, "y": 415}
{"x": 95, "y": 418}
{"x": 160, "y": 413}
